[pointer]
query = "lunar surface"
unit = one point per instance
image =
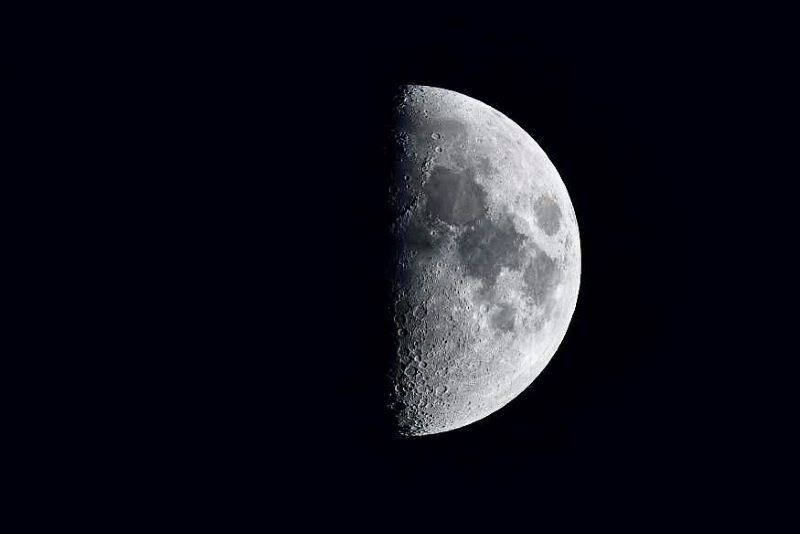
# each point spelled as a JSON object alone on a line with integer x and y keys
{"x": 486, "y": 260}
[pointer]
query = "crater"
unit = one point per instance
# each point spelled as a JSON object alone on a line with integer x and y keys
{"x": 432, "y": 131}
{"x": 503, "y": 319}
{"x": 450, "y": 129}
{"x": 498, "y": 114}
{"x": 487, "y": 247}
{"x": 454, "y": 197}
{"x": 548, "y": 215}
{"x": 541, "y": 276}
{"x": 420, "y": 238}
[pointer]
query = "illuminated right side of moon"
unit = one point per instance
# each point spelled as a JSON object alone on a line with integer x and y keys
{"x": 486, "y": 268}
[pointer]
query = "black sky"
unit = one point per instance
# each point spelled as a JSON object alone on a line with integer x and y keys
{"x": 251, "y": 169}
{"x": 665, "y": 129}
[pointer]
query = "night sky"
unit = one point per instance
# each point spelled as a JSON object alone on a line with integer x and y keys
{"x": 662, "y": 129}
{"x": 252, "y": 160}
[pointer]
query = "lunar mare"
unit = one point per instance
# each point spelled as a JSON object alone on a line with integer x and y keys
{"x": 486, "y": 265}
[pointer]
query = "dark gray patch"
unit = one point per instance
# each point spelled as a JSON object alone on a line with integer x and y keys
{"x": 419, "y": 238}
{"x": 548, "y": 215}
{"x": 541, "y": 276}
{"x": 486, "y": 247}
{"x": 458, "y": 157}
{"x": 503, "y": 319}
{"x": 454, "y": 197}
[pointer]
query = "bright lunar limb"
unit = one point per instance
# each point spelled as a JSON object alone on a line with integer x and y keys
{"x": 486, "y": 264}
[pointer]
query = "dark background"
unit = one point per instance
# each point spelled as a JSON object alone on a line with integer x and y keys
{"x": 230, "y": 184}
{"x": 667, "y": 129}
{"x": 670, "y": 131}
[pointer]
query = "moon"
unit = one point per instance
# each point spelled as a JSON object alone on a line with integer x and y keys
{"x": 485, "y": 263}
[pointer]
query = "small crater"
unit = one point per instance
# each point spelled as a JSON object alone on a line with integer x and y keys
{"x": 448, "y": 128}
{"x": 497, "y": 114}
{"x": 420, "y": 238}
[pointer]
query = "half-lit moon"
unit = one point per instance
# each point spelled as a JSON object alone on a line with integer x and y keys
{"x": 487, "y": 260}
